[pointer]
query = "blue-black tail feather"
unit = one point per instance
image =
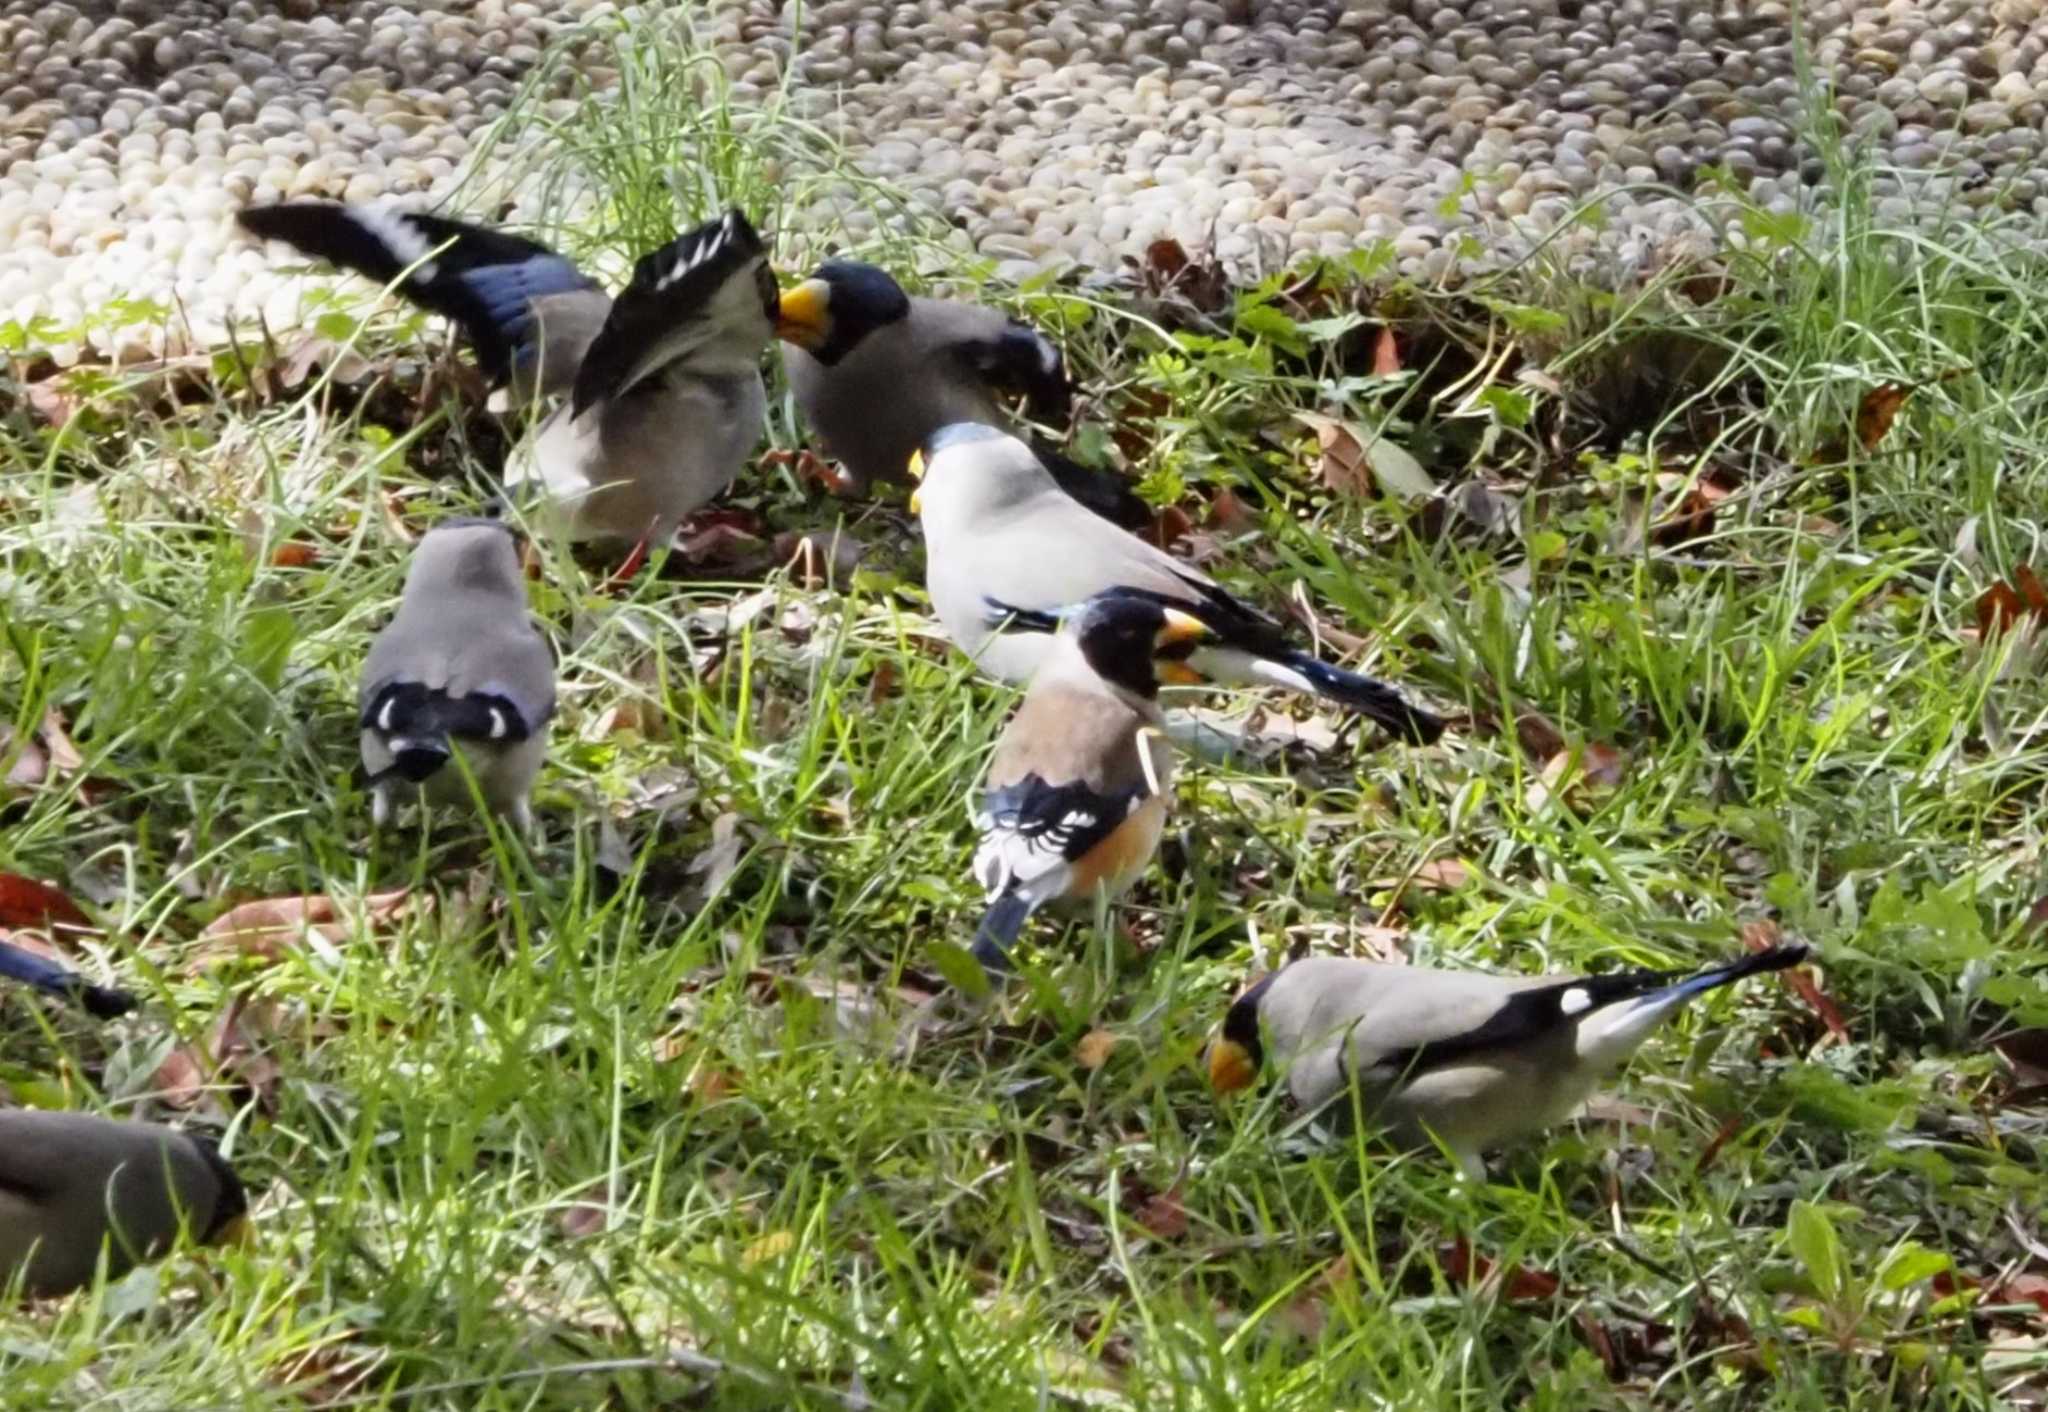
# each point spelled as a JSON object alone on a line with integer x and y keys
{"x": 102, "y": 1002}
{"x": 485, "y": 280}
{"x": 1374, "y": 700}
{"x": 998, "y": 932}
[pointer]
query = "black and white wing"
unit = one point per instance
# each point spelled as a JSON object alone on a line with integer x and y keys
{"x": 707, "y": 296}
{"x": 485, "y": 280}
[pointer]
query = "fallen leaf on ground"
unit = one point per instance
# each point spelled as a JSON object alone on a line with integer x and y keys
{"x": 31, "y": 765}
{"x": 293, "y": 554}
{"x": 2021, "y": 602}
{"x": 1170, "y": 269}
{"x": 269, "y": 927}
{"x": 882, "y": 683}
{"x": 1538, "y": 737}
{"x": 1094, "y": 1048}
{"x": 235, "y": 1054}
{"x": 26, "y": 904}
{"x": 1356, "y": 462}
{"x": 710, "y": 1084}
{"x": 1711, "y": 1153}
{"x": 1463, "y": 1266}
{"x": 1164, "y": 1215}
{"x": 1228, "y": 513}
{"x": 64, "y": 755}
{"x": 1442, "y": 875}
{"x": 53, "y": 400}
{"x": 1299, "y": 605}
{"x": 1570, "y": 775}
{"x": 2027, "y": 1052}
{"x": 1382, "y": 944}
{"x": 1386, "y": 355}
{"x": 1875, "y": 413}
{"x": 1169, "y": 526}
{"x": 717, "y": 863}
{"x": 1306, "y": 1314}
{"x": 1762, "y": 936}
{"x": 587, "y": 1215}
{"x": 1693, "y": 516}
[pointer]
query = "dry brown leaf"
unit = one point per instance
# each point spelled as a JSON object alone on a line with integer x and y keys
{"x": 721, "y": 860}
{"x": 53, "y": 400}
{"x": 1228, "y": 512}
{"x": 710, "y": 1084}
{"x": 293, "y": 554}
{"x": 1461, "y": 1265}
{"x": 1998, "y": 608}
{"x": 64, "y": 756}
{"x": 269, "y": 927}
{"x": 1167, "y": 259}
{"x": 31, "y": 766}
{"x": 587, "y": 1215}
{"x": 1094, "y": 1049}
{"x": 1304, "y": 611}
{"x": 882, "y": 683}
{"x": 1382, "y": 944}
{"x": 1164, "y": 1215}
{"x": 1169, "y": 526}
{"x": 1874, "y": 414}
{"x": 1386, "y": 355}
{"x": 1342, "y": 465}
{"x": 1442, "y": 875}
{"x": 180, "y": 1080}
{"x": 26, "y": 904}
{"x": 2033, "y": 597}
{"x": 1541, "y": 740}
{"x": 235, "y": 1053}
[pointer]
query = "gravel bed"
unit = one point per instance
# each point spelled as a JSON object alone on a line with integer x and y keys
{"x": 1055, "y": 131}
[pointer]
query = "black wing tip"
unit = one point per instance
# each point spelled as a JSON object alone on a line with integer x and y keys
{"x": 1102, "y": 492}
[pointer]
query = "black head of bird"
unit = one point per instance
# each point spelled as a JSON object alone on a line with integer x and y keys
{"x": 1136, "y": 643}
{"x": 838, "y": 306}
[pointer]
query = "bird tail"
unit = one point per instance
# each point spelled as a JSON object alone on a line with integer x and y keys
{"x": 101, "y": 1002}
{"x": 483, "y": 279}
{"x": 1298, "y": 671}
{"x": 1616, "y": 1031}
{"x": 1778, "y": 958}
{"x": 998, "y": 932}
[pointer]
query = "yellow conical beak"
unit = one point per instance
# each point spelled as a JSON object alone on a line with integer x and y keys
{"x": 1230, "y": 1066}
{"x": 803, "y": 315}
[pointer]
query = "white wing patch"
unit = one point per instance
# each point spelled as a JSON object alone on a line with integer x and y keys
{"x": 384, "y": 715}
{"x": 1575, "y": 1001}
{"x": 1048, "y": 356}
{"x": 704, "y": 250}
{"x": 406, "y": 242}
{"x": 498, "y": 726}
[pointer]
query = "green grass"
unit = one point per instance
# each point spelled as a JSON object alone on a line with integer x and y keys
{"x": 562, "y": 1137}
